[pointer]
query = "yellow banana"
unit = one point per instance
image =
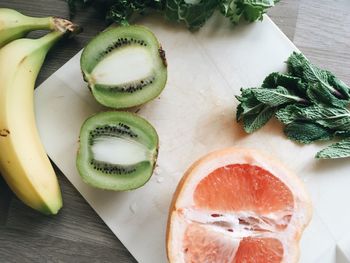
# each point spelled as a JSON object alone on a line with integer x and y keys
{"x": 14, "y": 25}
{"x": 23, "y": 161}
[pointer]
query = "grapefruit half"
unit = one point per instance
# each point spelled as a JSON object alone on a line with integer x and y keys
{"x": 235, "y": 206}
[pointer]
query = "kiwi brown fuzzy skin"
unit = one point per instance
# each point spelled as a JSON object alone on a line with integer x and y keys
{"x": 162, "y": 55}
{"x": 124, "y": 97}
{"x": 87, "y": 174}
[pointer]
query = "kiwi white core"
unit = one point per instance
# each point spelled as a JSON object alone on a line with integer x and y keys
{"x": 124, "y": 65}
{"x": 119, "y": 151}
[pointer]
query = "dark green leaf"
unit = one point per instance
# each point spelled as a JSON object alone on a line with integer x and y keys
{"x": 334, "y": 118}
{"x": 251, "y": 111}
{"x": 249, "y": 104}
{"x": 318, "y": 94}
{"x": 271, "y": 81}
{"x": 254, "y": 121}
{"x": 323, "y": 86}
{"x": 275, "y": 97}
{"x": 328, "y": 117}
{"x": 337, "y": 150}
{"x": 289, "y": 114}
{"x": 230, "y": 9}
{"x": 307, "y": 132}
{"x": 338, "y": 85}
{"x": 193, "y": 15}
{"x": 293, "y": 84}
{"x": 342, "y": 134}
{"x": 251, "y": 10}
{"x": 254, "y": 9}
{"x": 239, "y": 112}
{"x": 311, "y": 102}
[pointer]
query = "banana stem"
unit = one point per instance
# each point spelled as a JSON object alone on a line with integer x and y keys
{"x": 62, "y": 27}
{"x": 47, "y": 41}
{"x": 41, "y": 23}
{"x": 50, "y": 22}
{"x": 65, "y": 26}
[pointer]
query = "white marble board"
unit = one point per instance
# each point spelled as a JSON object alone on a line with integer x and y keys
{"x": 194, "y": 115}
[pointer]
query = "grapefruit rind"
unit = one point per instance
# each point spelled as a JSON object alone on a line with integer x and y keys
{"x": 183, "y": 199}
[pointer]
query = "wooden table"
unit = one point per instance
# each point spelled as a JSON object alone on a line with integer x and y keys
{"x": 321, "y": 29}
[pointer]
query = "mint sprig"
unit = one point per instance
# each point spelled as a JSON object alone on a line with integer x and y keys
{"x": 337, "y": 150}
{"x": 311, "y": 102}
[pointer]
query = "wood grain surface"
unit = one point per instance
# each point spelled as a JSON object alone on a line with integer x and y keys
{"x": 321, "y": 29}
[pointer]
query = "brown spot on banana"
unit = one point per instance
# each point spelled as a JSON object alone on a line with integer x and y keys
{"x": 22, "y": 60}
{"x": 4, "y": 132}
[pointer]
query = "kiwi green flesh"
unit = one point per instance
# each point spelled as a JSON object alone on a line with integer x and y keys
{"x": 124, "y": 67}
{"x": 123, "y": 129}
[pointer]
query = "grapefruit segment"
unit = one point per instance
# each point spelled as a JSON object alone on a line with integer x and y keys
{"x": 259, "y": 250}
{"x": 202, "y": 244}
{"x": 237, "y": 206}
{"x": 238, "y": 187}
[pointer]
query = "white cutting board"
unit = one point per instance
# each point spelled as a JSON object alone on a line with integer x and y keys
{"x": 194, "y": 115}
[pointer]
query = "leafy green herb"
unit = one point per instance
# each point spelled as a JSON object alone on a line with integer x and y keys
{"x": 333, "y": 118}
{"x": 311, "y": 103}
{"x": 121, "y": 11}
{"x": 256, "y": 120}
{"x": 289, "y": 113}
{"x": 276, "y": 97}
{"x": 323, "y": 86}
{"x": 251, "y": 10}
{"x": 307, "y": 132}
{"x": 256, "y": 114}
{"x": 293, "y": 84}
{"x": 194, "y": 13}
{"x": 337, "y": 150}
{"x": 249, "y": 104}
{"x": 342, "y": 134}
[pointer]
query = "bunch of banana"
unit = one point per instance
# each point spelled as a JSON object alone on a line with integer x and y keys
{"x": 23, "y": 161}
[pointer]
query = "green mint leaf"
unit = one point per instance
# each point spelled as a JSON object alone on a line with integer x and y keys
{"x": 318, "y": 94}
{"x": 337, "y": 150}
{"x": 293, "y": 84}
{"x": 239, "y": 112}
{"x": 329, "y": 117}
{"x": 323, "y": 86}
{"x": 307, "y": 132}
{"x": 256, "y": 120}
{"x": 312, "y": 103}
{"x": 275, "y": 97}
{"x": 338, "y": 85}
{"x": 342, "y": 134}
{"x": 249, "y": 104}
{"x": 253, "y": 113}
{"x": 334, "y": 118}
{"x": 289, "y": 114}
{"x": 272, "y": 81}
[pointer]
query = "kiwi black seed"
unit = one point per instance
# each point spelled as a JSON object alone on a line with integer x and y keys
{"x": 124, "y": 66}
{"x": 118, "y": 151}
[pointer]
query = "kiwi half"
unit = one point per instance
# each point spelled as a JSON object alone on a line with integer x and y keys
{"x": 118, "y": 151}
{"x": 124, "y": 66}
